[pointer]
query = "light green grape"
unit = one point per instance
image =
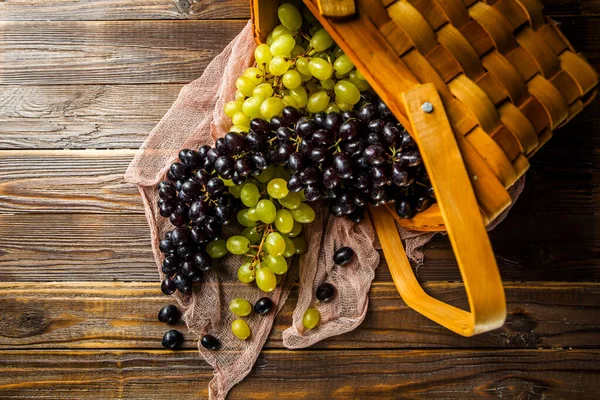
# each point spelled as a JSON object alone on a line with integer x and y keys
{"x": 296, "y": 229}
{"x": 240, "y": 119}
{"x": 302, "y": 195}
{"x": 360, "y": 76}
{"x": 235, "y": 190}
{"x": 291, "y": 201}
{"x": 337, "y": 52}
{"x": 277, "y": 188}
{"x": 303, "y": 214}
{"x": 252, "y": 215}
{"x": 290, "y": 247}
{"x": 240, "y": 307}
{"x": 343, "y": 105}
{"x": 264, "y": 90}
{"x": 289, "y": 16}
{"x": 283, "y": 173}
{"x": 306, "y": 78}
{"x": 320, "y": 69}
{"x": 279, "y": 65}
{"x": 265, "y": 279}
{"x": 250, "y": 195}
{"x": 239, "y": 128}
{"x": 332, "y": 107}
{"x": 271, "y": 107}
{"x": 252, "y": 235}
{"x": 289, "y": 101}
{"x": 282, "y": 30}
{"x": 297, "y": 50}
{"x": 284, "y": 222}
{"x": 347, "y": 92}
{"x": 240, "y": 329}
{"x": 255, "y": 75}
{"x": 292, "y": 79}
{"x": 245, "y": 85}
{"x": 266, "y": 211}
{"x": 300, "y": 245}
{"x": 278, "y": 264}
{"x": 269, "y": 39}
{"x": 283, "y": 45}
{"x": 322, "y": 55}
{"x": 300, "y": 96}
{"x": 328, "y": 84}
{"x": 266, "y": 175}
{"x": 262, "y": 54}
{"x": 317, "y": 102}
{"x": 238, "y": 245}
{"x": 232, "y": 107}
{"x": 343, "y": 65}
{"x": 239, "y": 96}
{"x": 311, "y": 318}
{"x": 302, "y": 66}
{"x": 246, "y": 273}
{"x": 321, "y": 40}
{"x": 228, "y": 182}
{"x": 313, "y": 87}
{"x": 251, "y": 106}
{"x": 361, "y": 84}
{"x": 217, "y": 248}
{"x": 242, "y": 217}
{"x": 274, "y": 244}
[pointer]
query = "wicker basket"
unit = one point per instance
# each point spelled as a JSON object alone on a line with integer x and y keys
{"x": 480, "y": 85}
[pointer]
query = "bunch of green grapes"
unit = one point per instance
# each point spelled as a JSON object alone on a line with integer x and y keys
{"x": 299, "y": 66}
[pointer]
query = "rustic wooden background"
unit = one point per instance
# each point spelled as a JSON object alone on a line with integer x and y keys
{"x": 81, "y": 84}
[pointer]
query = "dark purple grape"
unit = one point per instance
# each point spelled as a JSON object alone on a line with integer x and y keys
{"x": 284, "y": 133}
{"x": 187, "y": 268}
{"x": 430, "y": 192}
{"x": 203, "y": 150}
{"x": 330, "y": 193}
{"x": 191, "y": 188}
{"x": 379, "y": 175}
{"x": 179, "y": 184}
{"x": 362, "y": 163}
{"x": 290, "y": 114}
{"x": 346, "y": 115}
{"x": 184, "y": 284}
{"x": 181, "y": 209}
{"x": 164, "y": 184}
{"x": 170, "y": 176}
{"x": 185, "y": 251}
{"x": 221, "y": 146}
{"x": 343, "y": 256}
{"x": 260, "y": 126}
{"x": 322, "y": 137}
{"x": 374, "y": 139}
{"x": 305, "y": 127}
{"x": 199, "y": 235}
{"x": 369, "y": 97}
{"x": 165, "y": 209}
{"x": 235, "y": 142}
{"x": 377, "y": 193}
{"x": 172, "y": 340}
{"x": 224, "y": 166}
{"x": 243, "y": 166}
{"x": 349, "y": 130}
{"x": 353, "y": 148}
{"x": 169, "y": 314}
{"x": 180, "y": 235}
{"x": 202, "y": 261}
{"x": 259, "y": 160}
{"x": 198, "y": 276}
{"x": 179, "y": 170}
{"x": 166, "y": 246}
{"x": 336, "y": 210}
{"x": 263, "y": 305}
{"x": 384, "y": 111}
{"x": 295, "y": 183}
{"x": 202, "y": 176}
{"x": 362, "y": 181}
{"x": 167, "y": 192}
{"x": 342, "y": 165}
{"x": 319, "y": 154}
{"x": 170, "y": 264}
{"x": 360, "y": 199}
{"x": 401, "y": 176}
{"x": 273, "y": 155}
{"x": 285, "y": 150}
{"x": 198, "y": 211}
{"x": 376, "y": 126}
{"x": 212, "y": 227}
{"x": 177, "y": 219}
{"x": 375, "y": 154}
{"x": 404, "y": 209}
{"x": 312, "y": 193}
{"x": 367, "y": 112}
{"x": 168, "y": 235}
{"x": 167, "y": 286}
{"x": 422, "y": 203}
{"x": 346, "y": 201}
{"x": 223, "y": 214}
{"x": 309, "y": 175}
{"x": 320, "y": 119}
{"x": 411, "y": 158}
{"x": 295, "y": 162}
{"x": 192, "y": 159}
{"x": 215, "y": 186}
{"x": 212, "y": 156}
{"x": 237, "y": 179}
{"x": 407, "y": 141}
{"x": 325, "y": 292}
{"x": 333, "y": 121}
{"x": 255, "y": 141}
{"x": 331, "y": 180}
{"x": 357, "y": 215}
{"x": 210, "y": 342}
{"x": 186, "y": 198}
{"x": 391, "y": 134}
{"x": 278, "y": 122}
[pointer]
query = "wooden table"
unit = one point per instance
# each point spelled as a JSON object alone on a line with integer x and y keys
{"x": 81, "y": 85}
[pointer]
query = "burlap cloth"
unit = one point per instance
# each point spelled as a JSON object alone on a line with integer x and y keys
{"x": 196, "y": 118}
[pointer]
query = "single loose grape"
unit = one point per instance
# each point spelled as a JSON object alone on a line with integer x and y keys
{"x": 343, "y": 256}
{"x": 240, "y": 329}
{"x": 271, "y": 107}
{"x": 289, "y": 16}
{"x": 300, "y": 244}
{"x": 343, "y": 65}
{"x": 292, "y": 79}
{"x": 266, "y": 211}
{"x": 320, "y": 68}
{"x": 217, "y": 248}
{"x": 291, "y": 201}
{"x": 277, "y": 264}
{"x": 317, "y": 102}
{"x": 284, "y": 221}
{"x": 321, "y": 40}
{"x": 300, "y": 96}
{"x": 255, "y": 74}
{"x": 265, "y": 279}
{"x": 290, "y": 247}
{"x": 245, "y": 85}
{"x": 303, "y": 214}
{"x": 250, "y": 195}
{"x": 251, "y": 106}
{"x": 279, "y": 65}
{"x": 264, "y": 90}
{"x": 232, "y": 107}
{"x": 274, "y": 244}
{"x": 240, "y": 307}
{"x": 238, "y": 245}
{"x": 347, "y": 92}
{"x": 263, "y": 305}
{"x": 246, "y": 273}
{"x": 311, "y": 318}
{"x": 283, "y": 45}
{"x": 277, "y": 188}
{"x": 242, "y": 217}
{"x": 262, "y": 54}
{"x": 296, "y": 229}
{"x": 251, "y": 234}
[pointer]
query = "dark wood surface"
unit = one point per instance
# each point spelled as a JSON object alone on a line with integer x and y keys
{"x": 81, "y": 84}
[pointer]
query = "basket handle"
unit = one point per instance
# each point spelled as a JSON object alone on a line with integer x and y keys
{"x": 337, "y": 8}
{"x": 460, "y": 211}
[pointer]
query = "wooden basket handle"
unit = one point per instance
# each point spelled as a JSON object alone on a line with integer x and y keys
{"x": 466, "y": 230}
{"x": 337, "y": 8}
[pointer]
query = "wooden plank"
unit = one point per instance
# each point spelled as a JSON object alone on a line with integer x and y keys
{"x": 92, "y": 10}
{"x": 123, "y": 315}
{"x": 114, "y": 52}
{"x": 468, "y": 374}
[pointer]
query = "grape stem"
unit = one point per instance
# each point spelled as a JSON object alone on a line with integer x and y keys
{"x": 256, "y": 259}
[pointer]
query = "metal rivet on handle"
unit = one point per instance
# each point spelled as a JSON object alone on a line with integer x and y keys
{"x": 427, "y": 107}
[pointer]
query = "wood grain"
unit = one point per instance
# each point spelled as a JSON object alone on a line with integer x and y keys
{"x": 111, "y": 52}
{"x": 123, "y": 316}
{"x": 305, "y": 374}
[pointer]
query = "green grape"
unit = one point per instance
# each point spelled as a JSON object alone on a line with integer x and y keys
{"x": 343, "y": 64}
{"x": 277, "y": 188}
{"x": 291, "y": 201}
{"x": 314, "y": 28}
{"x": 238, "y": 245}
{"x": 264, "y": 90}
{"x": 283, "y": 45}
{"x": 328, "y": 84}
{"x": 360, "y": 76}
{"x": 278, "y": 264}
{"x": 239, "y": 96}
{"x": 217, "y": 248}
{"x": 271, "y": 107}
{"x": 361, "y": 84}
{"x": 298, "y": 49}
{"x": 283, "y": 173}
{"x": 274, "y": 244}
{"x": 242, "y": 217}
{"x": 306, "y": 78}
{"x": 252, "y": 235}
{"x": 240, "y": 307}
{"x": 311, "y": 318}
{"x": 232, "y": 107}
{"x": 300, "y": 96}
{"x": 343, "y": 106}
{"x": 246, "y": 273}
{"x": 279, "y": 65}
{"x": 266, "y": 211}
{"x": 252, "y": 214}
{"x": 290, "y": 247}
{"x": 240, "y": 329}
{"x": 228, "y": 182}
{"x": 292, "y": 79}
{"x": 262, "y": 54}
{"x": 245, "y": 85}
{"x": 302, "y": 66}
{"x": 296, "y": 229}
{"x": 252, "y": 252}
{"x": 302, "y": 195}
{"x": 313, "y": 87}
{"x": 284, "y": 222}
{"x": 282, "y": 30}
{"x": 266, "y": 175}
{"x": 239, "y": 128}
{"x": 255, "y": 74}
{"x": 300, "y": 245}
{"x": 265, "y": 279}
{"x": 240, "y": 119}
{"x": 308, "y": 16}
{"x": 337, "y": 52}
{"x": 289, "y": 101}
{"x": 235, "y": 190}
{"x": 303, "y": 214}
{"x": 251, "y": 106}
{"x": 320, "y": 69}
{"x": 250, "y": 195}
{"x": 332, "y": 107}
{"x": 269, "y": 39}
{"x": 279, "y": 279}
{"x": 317, "y": 102}
{"x": 321, "y": 40}
{"x": 289, "y": 16}
{"x": 322, "y": 55}
{"x": 347, "y": 92}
